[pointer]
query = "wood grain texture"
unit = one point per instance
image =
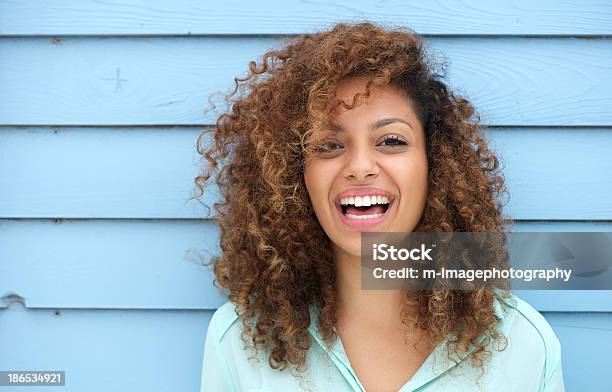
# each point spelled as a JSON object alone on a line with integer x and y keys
{"x": 102, "y": 350}
{"x": 168, "y": 81}
{"x": 190, "y": 17}
{"x": 158, "y": 264}
{"x": 148, "y": 173}
{"x": 114, "y": 264}
{"x": 585, "y": 346}
{"x": 114, "y": 292}
{"x": 159, "y": 350}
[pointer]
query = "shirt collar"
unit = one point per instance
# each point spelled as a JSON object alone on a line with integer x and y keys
{"x": 336, "y": 352}
{"x": 436, "y": 364}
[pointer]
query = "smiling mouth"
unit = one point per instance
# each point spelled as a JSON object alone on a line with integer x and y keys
{"x": 364, "y": 217}
{"x": 374, "y": 210}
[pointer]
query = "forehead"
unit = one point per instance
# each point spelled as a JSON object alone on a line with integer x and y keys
{"x": 383, "y": 100}
{"x": 384, "y": 103}
{"x": 348, "y": 87}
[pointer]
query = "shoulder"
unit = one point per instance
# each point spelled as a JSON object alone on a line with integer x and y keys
{"x": 222, "y": 320}
{"x": 522, "y": 323}
{"x": 527, "y": 318}
{"x": 232, "y": 363}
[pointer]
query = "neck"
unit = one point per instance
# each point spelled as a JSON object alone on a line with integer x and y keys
{"x": 375, "y": 308}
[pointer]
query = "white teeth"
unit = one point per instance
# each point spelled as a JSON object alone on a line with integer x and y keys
{"x": 365, "y": 201}
{"x": 361, "y": 217}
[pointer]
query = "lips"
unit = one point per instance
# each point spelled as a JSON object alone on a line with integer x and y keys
{"x": 353, "y": 192}
{"x": 367, "y": 222}
{"x": 363, "y": 223}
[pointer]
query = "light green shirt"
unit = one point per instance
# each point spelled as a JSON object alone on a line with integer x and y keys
{"x": 530, "y": 362}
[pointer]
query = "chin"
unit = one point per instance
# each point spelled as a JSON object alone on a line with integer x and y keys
{"x": 352, "y": 248}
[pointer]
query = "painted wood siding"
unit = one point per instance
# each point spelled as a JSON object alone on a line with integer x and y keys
{"x": 101, "y": 103}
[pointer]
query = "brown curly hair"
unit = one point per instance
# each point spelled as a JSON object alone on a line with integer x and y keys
{"x": 276, "y": 259}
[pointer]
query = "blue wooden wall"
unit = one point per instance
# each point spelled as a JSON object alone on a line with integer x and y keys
{"x": 101, "y": 103}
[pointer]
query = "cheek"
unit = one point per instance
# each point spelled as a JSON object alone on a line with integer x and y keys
{"x": 410, "y": 174}
{"x": 317, "y": 183}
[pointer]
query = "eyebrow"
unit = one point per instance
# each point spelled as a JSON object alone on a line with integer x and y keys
{"x": 374, "y": 125}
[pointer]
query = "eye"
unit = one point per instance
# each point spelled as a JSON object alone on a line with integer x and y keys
{"x": 328, "y": 146}
{"x": 394, "y": 141}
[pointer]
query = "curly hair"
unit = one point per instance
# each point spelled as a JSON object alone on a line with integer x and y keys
{"x": 276, "y": 260}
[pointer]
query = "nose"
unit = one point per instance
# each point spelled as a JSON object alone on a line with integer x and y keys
{"x": 361, "y": 164}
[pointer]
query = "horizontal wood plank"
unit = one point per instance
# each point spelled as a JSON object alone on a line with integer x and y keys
{"x": 165, "y": 348}
{"x": 552, "y": 173}
{"x": 145, "y": 17}
{"x": 122, "y": 267}
{"x": 124, "y": 264}
{"x": 585, "y": 343}
{"x": 102, "y": 350}
{"x": 109, "y": 264}
{"x": 167, "y": 81}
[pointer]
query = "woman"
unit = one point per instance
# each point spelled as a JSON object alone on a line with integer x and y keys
{"x": 331, "y": 122}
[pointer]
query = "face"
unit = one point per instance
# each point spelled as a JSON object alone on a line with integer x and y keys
{"x": 375, "y": 153}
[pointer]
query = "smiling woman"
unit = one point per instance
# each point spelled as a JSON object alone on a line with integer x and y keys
{"x": 373, "y": 145}
{"x": 351, "y": 130}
